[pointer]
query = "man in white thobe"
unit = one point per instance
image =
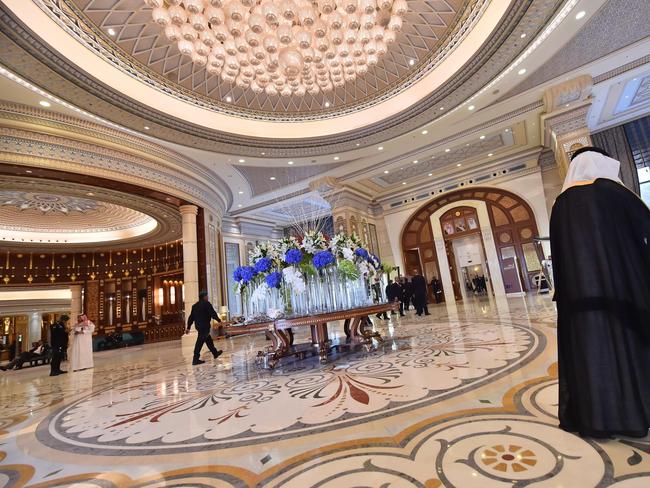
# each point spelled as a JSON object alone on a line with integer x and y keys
{"x": 80, "y": 354}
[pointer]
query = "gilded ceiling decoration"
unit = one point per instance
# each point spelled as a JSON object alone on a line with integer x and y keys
{"x": 46, "y": 203}
{"x": 36, "y": 212}
{"x": 427, "y": 29}
{"x": 25, "y": 54}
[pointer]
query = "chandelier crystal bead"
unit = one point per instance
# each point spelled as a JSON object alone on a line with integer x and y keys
{"x": 282, "y": 47}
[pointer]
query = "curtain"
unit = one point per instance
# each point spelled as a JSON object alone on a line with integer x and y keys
{"x": 615, "y": 142}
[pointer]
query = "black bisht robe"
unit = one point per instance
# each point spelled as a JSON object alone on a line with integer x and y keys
{"x": 600, "y": 243}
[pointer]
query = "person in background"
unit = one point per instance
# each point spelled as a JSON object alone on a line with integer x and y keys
{"x": 394, "y": 293}
{"x": 17, "y": 363}
{"x": 600, "y": 240}
{"x": 59, "y": 343}
{"x": 80, "y": 355}
{"x": 201, "y": 315}
{"x": 419, "y": 284}
{"x": 376, "y": 291}
{"x": 407, "y": 293}
{"x": 437, "y": 289}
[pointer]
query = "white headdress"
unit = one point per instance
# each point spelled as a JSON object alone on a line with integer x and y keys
{"x": 589, "y": 165}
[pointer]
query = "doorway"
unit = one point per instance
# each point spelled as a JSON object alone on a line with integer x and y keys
{"x": 471, "y": 265}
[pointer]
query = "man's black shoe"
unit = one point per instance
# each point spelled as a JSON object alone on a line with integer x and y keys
{"x": 219, "y": 353}
{"x": 427, "y": 313}
{"x": 197, "y": 361}
{"x": 62, "y": 372}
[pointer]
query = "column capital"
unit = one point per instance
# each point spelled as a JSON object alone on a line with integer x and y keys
{"x": 188, "y": 209}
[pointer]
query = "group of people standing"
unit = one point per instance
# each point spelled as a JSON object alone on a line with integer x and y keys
{"x": 76, "y": 341}
{"x": 413, "y": 292}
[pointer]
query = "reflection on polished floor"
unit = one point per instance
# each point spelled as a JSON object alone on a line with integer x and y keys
{"x": 465, "y": 397}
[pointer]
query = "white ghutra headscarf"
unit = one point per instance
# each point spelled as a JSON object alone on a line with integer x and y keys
{"x": 590, "y": 165}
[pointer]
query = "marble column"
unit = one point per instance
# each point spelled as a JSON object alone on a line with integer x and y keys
{"x": 190, "y": 257}
{"x": 33, "y": 330}
{"x": 75, "y": 303}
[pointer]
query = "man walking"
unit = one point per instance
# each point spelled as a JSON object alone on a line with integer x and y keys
{"x": 419, "y": 284}
{"x": 59, "y": 342}
{"x": 202, "y": 313}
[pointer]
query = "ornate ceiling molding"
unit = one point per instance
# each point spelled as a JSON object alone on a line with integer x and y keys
{"x": 421, "y": 36}
{"x": 504, "y": 45}
{"x": 55, "y": 141}
{"x": 104, "y": 211}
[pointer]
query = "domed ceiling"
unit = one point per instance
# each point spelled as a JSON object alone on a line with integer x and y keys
{"x": 44, "y": 213}
{"x": 428, "y": 29}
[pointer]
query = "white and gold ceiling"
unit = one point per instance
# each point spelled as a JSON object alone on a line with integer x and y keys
{"x": 41, "y": 214}
{"x": 457, "y": 94}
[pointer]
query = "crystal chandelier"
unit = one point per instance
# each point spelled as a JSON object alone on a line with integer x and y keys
{"x": 287, "y": 47}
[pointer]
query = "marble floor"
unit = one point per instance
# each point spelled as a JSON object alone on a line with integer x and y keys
{"x": 464, "y": 398}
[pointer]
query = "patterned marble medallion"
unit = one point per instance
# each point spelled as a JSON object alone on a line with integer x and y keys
{"x": 464, "y": 398}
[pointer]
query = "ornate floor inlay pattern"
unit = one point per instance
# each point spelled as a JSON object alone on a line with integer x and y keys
{"x": 464, "y": 398}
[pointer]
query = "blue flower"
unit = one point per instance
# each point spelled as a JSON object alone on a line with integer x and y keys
{"x": 362, "y": 253}
{"x": 323, "y": 258}
{"x": 263, "y": 265}
{"x": 244, "y": 274}
{"x": 274, "y": 279}
{"x": 293, "y": 256}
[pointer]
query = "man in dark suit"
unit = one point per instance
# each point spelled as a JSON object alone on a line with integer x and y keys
{"x": 202, "y": 314}
{"x": 394, "y": 293}
{"x": 59, "y": 342}
{"x": 407, "y": 293}
{"x": 419, "y": 284}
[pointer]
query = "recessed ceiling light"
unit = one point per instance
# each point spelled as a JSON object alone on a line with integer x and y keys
{"x": 442, "y": 108}
{"x": 507, "y": 130}
{"x": 380, "y": 148}
{"x": 242, "y": 160}
{"x": 523, "y": 35}
{"x": 491, "y": 154}
{"x": 263, "y": 153}
{"x": 411, "y": 62}
{"x": 336, "y": 158}
{"x": 239, "y": 205}
{"x": 471, "y": 107}
{"x": 327, "y": 104}
{"x": 111, "y": 32}
{"x": 482, "y": 137}
{"x": 580, "y": 14}
{"x": 459, "y": 165}
{"x": 90, "y": 194}
{"x": 447, "y": 150}
{"x": 240, "y": 192}
{"x": 146, "y": 127}
{"x": 44, "y": 103}
{"x": 425, "y": 132}
{"x": 386, "y": 171}
{"x": 358, "y": 144}
{"x": 403, "y": 182}
{"x": 272, "y": 178}
{"x": 289, "y": 162}
{"x": 522, "y": 71}
{"x": 415, "y": 161}
{"x": 430, "y": 174}
{"x": 567, "y": 105}
{"x": 28, "y": 171}
{"x": 228, "y": 99}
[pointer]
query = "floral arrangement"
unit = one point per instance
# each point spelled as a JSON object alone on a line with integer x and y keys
{"x": 290, "y": 261}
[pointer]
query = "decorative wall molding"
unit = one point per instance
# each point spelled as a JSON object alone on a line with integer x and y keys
{"x": 61, "y": 142}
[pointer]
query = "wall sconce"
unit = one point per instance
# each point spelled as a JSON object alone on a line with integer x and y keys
{"x": 161, "y": 297}
{"x": 172, "y": 295}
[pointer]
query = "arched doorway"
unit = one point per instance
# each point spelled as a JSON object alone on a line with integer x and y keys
{"x": 510, "y": 223}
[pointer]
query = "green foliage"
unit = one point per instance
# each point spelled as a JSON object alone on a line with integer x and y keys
{"x": 387, "y": 268}
{"x": 348, "y": 270}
